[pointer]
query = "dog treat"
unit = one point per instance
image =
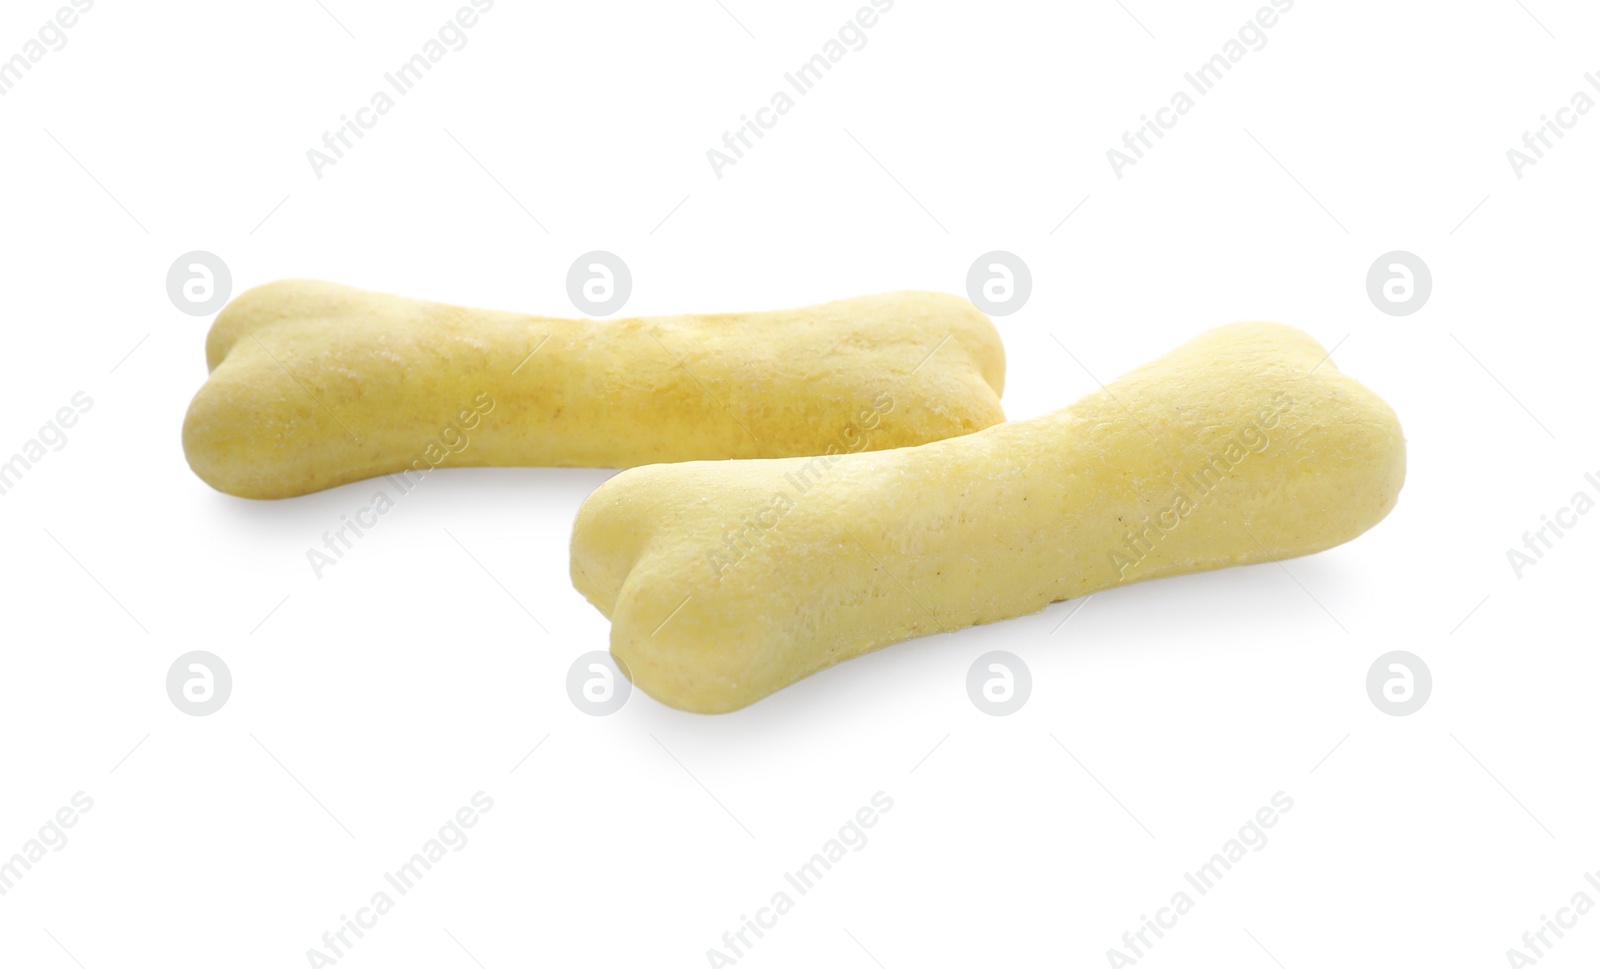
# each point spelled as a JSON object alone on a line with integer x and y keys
{"x": 314, "y": 385}
{"x": 725, "y": 582}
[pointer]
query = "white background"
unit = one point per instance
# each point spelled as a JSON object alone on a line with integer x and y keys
{"x": 370, "y": 704}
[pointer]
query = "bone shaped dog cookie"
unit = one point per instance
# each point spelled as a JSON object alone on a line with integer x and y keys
{"x": 314, "y": 385}
{"x": 726, "y": 581}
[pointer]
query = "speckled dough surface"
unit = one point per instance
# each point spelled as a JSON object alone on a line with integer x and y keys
{"x": 727, "y": 581}
{"x": 314, "y": 385}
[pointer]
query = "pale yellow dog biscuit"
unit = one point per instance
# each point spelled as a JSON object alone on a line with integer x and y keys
{"x": 314, "y": 385}
{"x": 727, "y": 581}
